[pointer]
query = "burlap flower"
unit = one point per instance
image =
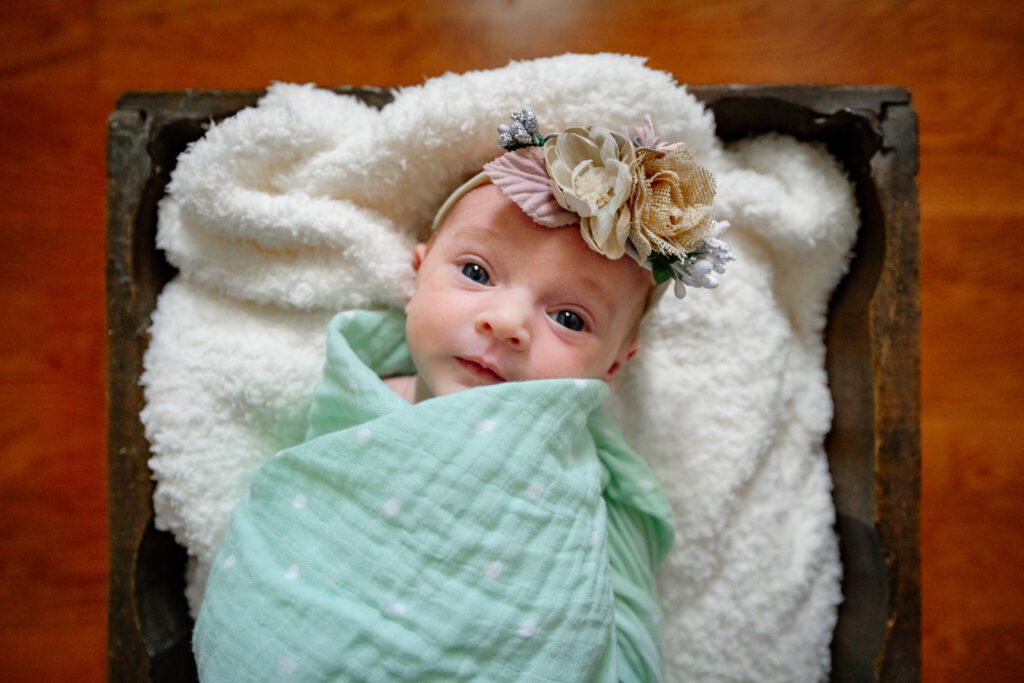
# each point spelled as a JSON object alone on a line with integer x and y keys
{"x": 670, "y": 201}
{"x": 591, "y": 173}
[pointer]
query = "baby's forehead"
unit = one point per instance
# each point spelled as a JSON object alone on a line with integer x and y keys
{"x": 487, "y": 218}
{"x": 486, "y": 214}
{"x": 483, "y": 204}
{"x": 479, "y": 230}
{"x": 504, "y": 227}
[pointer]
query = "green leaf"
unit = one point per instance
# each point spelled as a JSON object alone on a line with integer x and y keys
{"x": 661, "y": 267}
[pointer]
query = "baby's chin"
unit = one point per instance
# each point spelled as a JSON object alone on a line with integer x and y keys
{"x": 426, "y": 390}
{"x": 423, "y": 391}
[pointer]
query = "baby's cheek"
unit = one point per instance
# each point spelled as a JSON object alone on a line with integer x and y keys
{"x": 599, "y": 364}
{"x": 417, "y": 334}
{"x": 573, "y": 363}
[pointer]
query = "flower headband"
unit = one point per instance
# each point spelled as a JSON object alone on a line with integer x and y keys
{"x": 631, "y": 194}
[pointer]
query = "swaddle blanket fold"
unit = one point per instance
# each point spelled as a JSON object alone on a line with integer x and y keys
{"x": 499, "y": 533}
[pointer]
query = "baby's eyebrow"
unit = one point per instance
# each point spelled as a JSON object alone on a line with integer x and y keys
{"x": 603, "y": 294}
{"x": 474, "y": 234}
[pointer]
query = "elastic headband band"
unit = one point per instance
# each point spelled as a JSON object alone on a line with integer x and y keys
{"x": 476, "y": 181}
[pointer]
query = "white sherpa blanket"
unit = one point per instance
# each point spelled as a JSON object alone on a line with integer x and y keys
{"x": 310, "y": 203}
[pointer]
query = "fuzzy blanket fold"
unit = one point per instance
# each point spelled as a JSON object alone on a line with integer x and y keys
{"x": 310, "y": 203}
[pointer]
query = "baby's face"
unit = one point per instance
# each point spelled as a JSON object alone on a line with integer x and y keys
{"x": 500, "y": 298}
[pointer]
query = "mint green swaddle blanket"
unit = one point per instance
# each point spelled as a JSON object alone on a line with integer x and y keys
{"x": 500, "y": 533}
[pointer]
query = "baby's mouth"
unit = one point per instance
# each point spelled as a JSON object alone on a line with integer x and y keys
{"x": 480, "y": 371}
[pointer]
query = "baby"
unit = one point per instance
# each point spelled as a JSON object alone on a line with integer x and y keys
{"x": 499, "y": 298}
{"x": 456, "y": 521}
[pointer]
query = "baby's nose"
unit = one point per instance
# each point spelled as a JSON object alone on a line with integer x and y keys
{"x": 507, "y": 324}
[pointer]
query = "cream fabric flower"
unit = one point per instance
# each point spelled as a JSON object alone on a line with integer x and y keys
{"x": 671, "y": 202}
{"x": 591, "y": 175}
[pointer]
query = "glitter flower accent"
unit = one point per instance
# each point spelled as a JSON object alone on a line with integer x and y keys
{"x": 591, "y": 175}
{"x": 671, "y": 202}
{"x": 523, "y": 132}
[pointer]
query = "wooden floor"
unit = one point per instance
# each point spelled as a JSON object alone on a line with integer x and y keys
{"x": 62, "y": 64}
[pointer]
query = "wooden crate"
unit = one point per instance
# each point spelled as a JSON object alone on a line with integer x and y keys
{"x": 872, "y": 362}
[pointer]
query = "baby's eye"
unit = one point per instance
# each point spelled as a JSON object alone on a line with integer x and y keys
{"x": 476, "y": 273}
{"x": 570, "y": 320}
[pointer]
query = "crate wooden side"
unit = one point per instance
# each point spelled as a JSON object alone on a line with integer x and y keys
{"x": 148, "y": 626}
{"x": 872, "y": 359}
{"x": 129, "y": 490}
{"x": 872, "y": 366}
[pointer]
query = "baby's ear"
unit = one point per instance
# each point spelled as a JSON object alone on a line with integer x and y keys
{"x": 626, "y": 353}
{"x": 418, "y": 254}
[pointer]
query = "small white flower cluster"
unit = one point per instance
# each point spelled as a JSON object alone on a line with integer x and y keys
{"x": 697, "y": 268}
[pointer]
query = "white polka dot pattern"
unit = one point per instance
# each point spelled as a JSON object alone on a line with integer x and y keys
{"x": 287, "y": 664}
{"x": 527, "y": 627}
{"x": 392, "y": 507}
